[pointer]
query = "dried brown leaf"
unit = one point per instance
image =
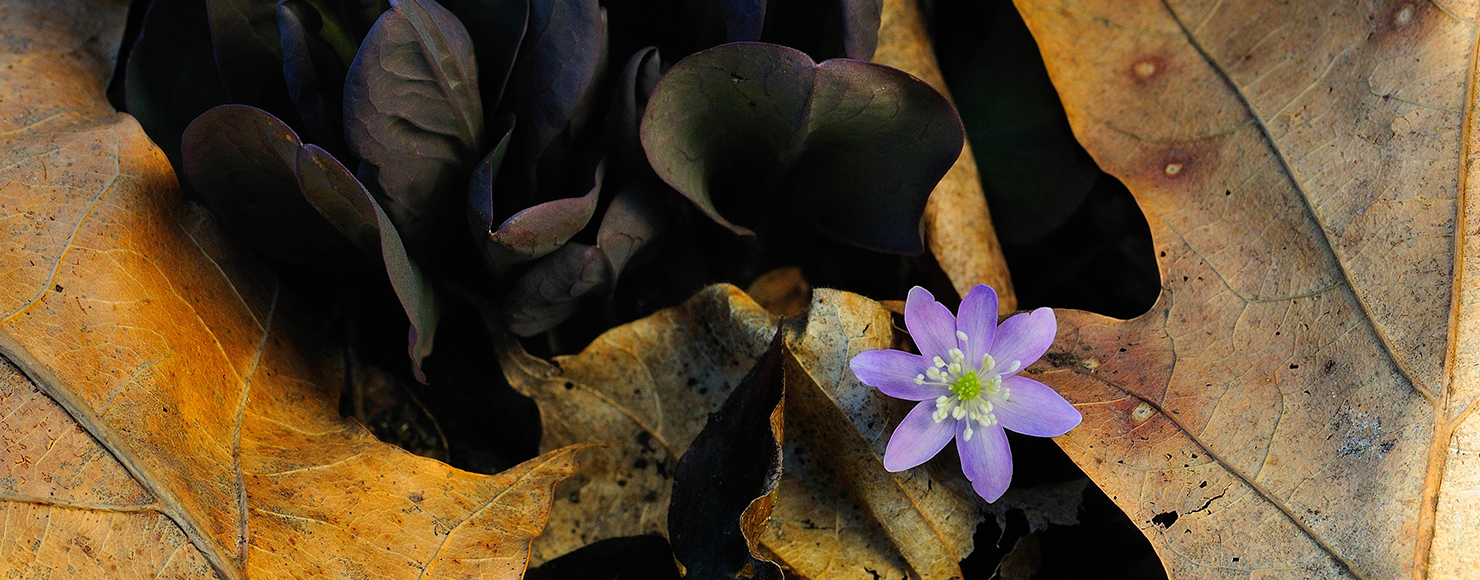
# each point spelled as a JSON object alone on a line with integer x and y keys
{"x": 958, "y": 227}
{"x": 1299, "y": 401}
{"x": 160, "y": 417}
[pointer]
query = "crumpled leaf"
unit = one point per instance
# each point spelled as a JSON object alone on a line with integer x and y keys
{"x": 350, "y": 208}
{"x": 243, "y": 162}
{"x": 930, "y": 521}
{"x": 957, "y": 227}
{"x": 724, "y": 484}
{"x": 532, "y": 232}
{"x": 643, "y": 390}
{"x": 818, "y": 531}
{"x": 497, "y": 29}
{"x": 783, "y": 292}
{"x": 1301, "y": 397}
{"x": 314, "y": 72}
{"x": 412, "y": 113}
{"x": 171, "y": 76}
{"x": 550, "y": 290}
{"x": 161, "y": 417}
{"x": 856, "y": 147}
{"x": 557, "y": 69}
{"x": 634, "y": 221}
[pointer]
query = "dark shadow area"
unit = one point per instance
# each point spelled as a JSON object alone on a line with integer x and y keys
{"x": 1074, "y": 238}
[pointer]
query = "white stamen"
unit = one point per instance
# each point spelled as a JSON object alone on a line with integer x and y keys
{"x": 961, "y": 336}
{"x": 939, "y": 415}
{"x": 967, "y": 435}
{"x": 942, "y": 401}
{"x": 1004, "y": 393}
{"x": 1017, "y": 364}
{"x": 919, "y": 379}
{"x": 939, "y": 363}
{"x": 956, "y": 368}
{"x": 956, "y": 355}
{"x": 933, "y": 373}
{"x": 987, "y": 362}
{"x": 985, "y": 420}
{"x": 958, "y": 412}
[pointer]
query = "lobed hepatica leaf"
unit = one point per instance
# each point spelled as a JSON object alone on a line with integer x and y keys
{"x": 629, "y": 100}
{"x": 723, "y": 484}
{"x": 244, "y": 36}
{"x": 412, "y": 113}
{"x": 556, "y": 71}
{"x": 551, "y": 289}
{"x": 170, "y": 77}
{"x": 532, "y": 232}
{"x": 854, "y": 146}
{"x": 345, "y": 202}
{"x": 162, "y": 417}
{"x": 1300, "y": 399}
{"x": 242, "y": 162}
{"x": 497, "y": 28}
{"x": 721, "y": 21}
{"x": 314, "y": 72}
{"x": 634, "y": 221}
{"x": 644, "y": 389}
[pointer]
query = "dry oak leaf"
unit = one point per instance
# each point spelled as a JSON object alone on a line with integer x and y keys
{"x": 957, "y": 226}
{"x": 158, "y": 419}
{"x": 644, "y": 390}
{"x": 1299, "y": 402}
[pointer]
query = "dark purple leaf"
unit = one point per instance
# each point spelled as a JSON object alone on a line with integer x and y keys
{"x": 635, "y": 220}
{"x": 629, "y": 100}
{"x": 346, "y": 204}
{"x": 171, "y": 76}
{"x": 826, "y": 28}
{"x": 497, "y": 29}
{"x": 242, "y": 162}
{"x": 721, "y": 21}
{"x": 557, "y": 70}
{"x": 532, "y": 232}
{"x": 550, "y": 291}
{"x": 314, "y": 72}
{"x": 861, "y": 27}
{"x": 723, "y": 483}
{"x": 244, "y": 34}
{"x": 412, "y": 113}
{"x": 748, "y": 131}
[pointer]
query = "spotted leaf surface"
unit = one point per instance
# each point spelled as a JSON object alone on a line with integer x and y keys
{"x": 1299, "y": 401}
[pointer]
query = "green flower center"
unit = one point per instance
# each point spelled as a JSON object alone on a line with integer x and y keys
{"x": 967, "y": 387}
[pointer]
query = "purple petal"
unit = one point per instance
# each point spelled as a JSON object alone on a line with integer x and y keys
{"x": 893, "y": 372}
{"x": 1023, "y": 338}
{"x": 917, "y": 438}
{"x": 986, "y": 459}
{"x": 1033, "y": 408}
{"x": 977, "y": 319}
{"x": 930, "y": 324}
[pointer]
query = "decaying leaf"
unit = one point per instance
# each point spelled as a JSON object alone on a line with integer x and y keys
{"x": 1299, "y": 402}
{"x": 644, "y": 389}
{"x": 958, "y": 228}
{"x": 724, "y": 485}
{"x": 818, "y": 531}
{"x": 930, "y": 523}
{"x": 161, "y": 418}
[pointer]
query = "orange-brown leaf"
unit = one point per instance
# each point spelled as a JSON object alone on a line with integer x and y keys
{"x": 161, "y": 417}
{"x": 1299, "y": 400}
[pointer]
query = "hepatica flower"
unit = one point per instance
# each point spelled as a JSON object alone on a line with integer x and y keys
{"x": 966, "y": 380}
